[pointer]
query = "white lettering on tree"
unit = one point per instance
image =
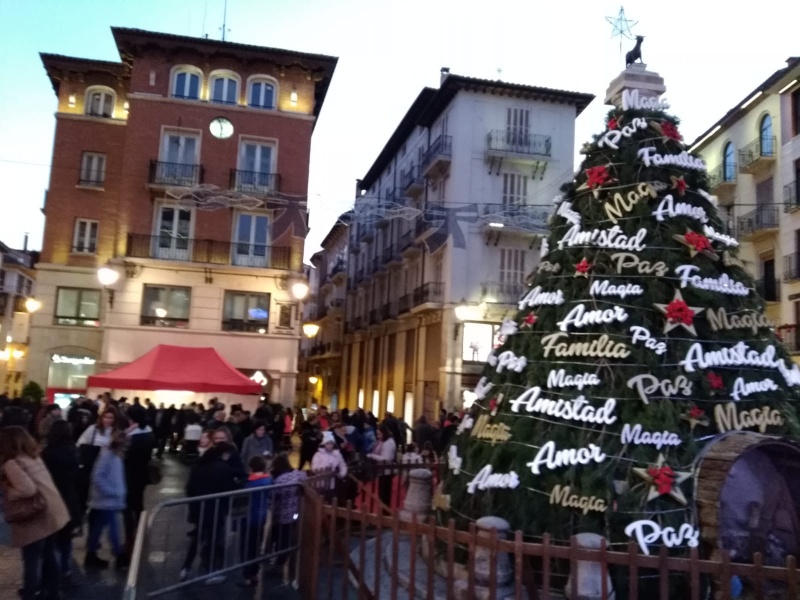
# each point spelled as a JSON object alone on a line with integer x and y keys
{"x": 606, "y": 288}
{"x": 573, "y": 409}
{"x": 652, "y": 158}
{"x": 632, "y": 99}
{"x": 551, "y": 458}
{"x": 536, "y": 297}
{"x": 604, "y": 238}
{"x": 647, "y": 385}
{"x": 560, "y": 379}
{"x": 669, "y": 208}
{"x": 648, "y": 532}
{"x": 740, "y": 355}
{"x": 722, "y": 284}
{"x": 612, "y": 137}
{"x": 641, "y": 334}
{"x": 579, "y": 317}
{"x": 635, "y": 435}
{"x": 485, "y": 480}
{"x": 626, "y": 260}
{"x": 742, "y": 388}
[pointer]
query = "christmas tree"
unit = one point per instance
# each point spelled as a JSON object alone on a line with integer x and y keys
{"x": 640, "y": 341}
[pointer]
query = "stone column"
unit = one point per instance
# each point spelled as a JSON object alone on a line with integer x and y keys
{"x": 589, "y": 573}
{"x": 504, "y": 575}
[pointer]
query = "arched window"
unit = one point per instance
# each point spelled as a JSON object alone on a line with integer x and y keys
{"x": 729, "y": 163}
{"x": 99, "y": 102}
{"x": 186, "y": 83}
{"x": 224, "y": 87}
{"x": 262, "y": 93}
{"x": 767, "y": 141}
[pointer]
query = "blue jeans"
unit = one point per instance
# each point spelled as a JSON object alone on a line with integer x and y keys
{"x": 99, "y": 520}
{"x": 40, "y": 568}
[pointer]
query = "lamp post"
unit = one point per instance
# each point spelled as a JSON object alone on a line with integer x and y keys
{"x": 310, "y": 330}
{"x": 107, "y": 276}
{"x": 32, "y": 305}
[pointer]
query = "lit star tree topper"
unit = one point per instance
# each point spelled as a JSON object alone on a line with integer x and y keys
{"x": 622, "y": 27}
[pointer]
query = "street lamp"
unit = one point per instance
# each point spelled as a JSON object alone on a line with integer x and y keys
{"x": 299, "y": 289}
{"x": 463, "y": 311}
{"x": 310, "y": 329}
{"x": 313, "y": 380}
{"x": 108, "y": 277}
{"x": 32, "y": 305}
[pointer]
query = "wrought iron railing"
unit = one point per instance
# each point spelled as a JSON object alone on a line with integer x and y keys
{"x": 389, "y": 311}
{"x": 515, "y": 141}
{"x": 763, "y": 147}
{"x": 412, "y": 180}
{"x": 501, "y": 292}
{"x": 428, "y": 292}
{"x": 254, "y": 182}
{"x": 404, "y": 303}
{"x": 722, "y": 174}
{"x": 374, "y": 316}
{"x": 441, "y": 146}
{"x": 763, "y": 217}
{"x": 168, "y": 247}
{"x": 169, "y": 173}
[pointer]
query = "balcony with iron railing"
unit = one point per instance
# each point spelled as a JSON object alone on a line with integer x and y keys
{"x": 762, "y": 220}
{"x": 404, "y": 303}
{"x": 518, "y": 142}
{"x": 530, "y": 218}
{"x": 769, "y": 289}
{"x": 168, "y": 247}
{"x": 437, "y": 157}
{"x": 757, "y": 154}
{"x": 501, "y": 292}
{"x": 254, "y": 182}
{"x": 788, "y": 335}
{"x": 374, "y": 316}
{"x": 389, "y": 311}
{"x": 791, "y": 196}
{"x": 421, "y": 225}
{"x": 407, "y": 240}
{"x": 722, "y": 177}
{"x": 412, "y": 183}
{"x": 177, "y": 174}
{"x": 387, "y": 254}
{"x": 358, "y": 323}
{"x": 431, "y": 292}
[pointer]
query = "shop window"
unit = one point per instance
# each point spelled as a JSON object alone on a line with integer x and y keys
{"x": 77, "y": 306}
{"x": 166, "y": 306}
{"x": 244, "y": 311}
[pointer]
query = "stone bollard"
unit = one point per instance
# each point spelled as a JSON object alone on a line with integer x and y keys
{"x": 483, "y": 556}
{"x": 419, "y": 497}
{"x": 589, "y": 573}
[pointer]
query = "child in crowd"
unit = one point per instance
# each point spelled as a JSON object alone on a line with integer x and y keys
{"x": 259, "y": 507}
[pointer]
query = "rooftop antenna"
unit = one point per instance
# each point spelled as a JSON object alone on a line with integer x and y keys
{"x": 225, "y": 20}
{"x": 621, "y": 27}
{"x": 205, "y": 12}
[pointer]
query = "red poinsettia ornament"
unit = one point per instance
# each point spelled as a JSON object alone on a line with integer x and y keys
{"x": 582, "y": 268}
{"x": 613, "y": 123}
{"x": 679, "y": 312}
{"x": 696, "y": 412}
{"x": 529, "y": 321}
{"x": 669, "y": 130}
{"x": 597, "y": 176}
{"x": 715, "y": 381}
{"x": 698, "y": 241}
{"x": 663, "y": 478}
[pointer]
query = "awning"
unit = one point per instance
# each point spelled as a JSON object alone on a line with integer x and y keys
{"x": 177, "y": 368}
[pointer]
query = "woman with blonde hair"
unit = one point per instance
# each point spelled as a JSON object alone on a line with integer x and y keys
{"x": 34, "y": 509}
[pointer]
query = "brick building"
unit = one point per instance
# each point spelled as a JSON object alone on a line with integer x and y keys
{"x": 183, "y": 168}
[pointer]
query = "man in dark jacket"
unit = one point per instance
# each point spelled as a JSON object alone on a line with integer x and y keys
{"x": 141, "y": 443}
{"x": 213, "y": 473}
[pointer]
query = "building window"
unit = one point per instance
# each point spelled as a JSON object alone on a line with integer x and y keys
{"x": 77, "y": 306}
{"x": 285, "y": 316}
{"x": 766, "y": 138}
{"x": 178, "y": 164}
{"x": 166, "y": 306}
{"x": 244, "y": 311}
{"x": 186, "y": 83}
{"x": 224, "y": 88}
{"x": 256, "y": 173}
{"x": 517, "y": 126}
{"x": 93, "y": 169}
{"x": 478, "y": 341}
{"x": 251, "y": 248}
{"x": 262, "y": 93}
{"x": 99, "y": 102}
{"x": 729, "y": 163}
{"x": 515, "y": 189}
{"x": 512, "y": 270}
{"x": 796, "y": 110}
{"x": 2, "y": 282}
{"x": 84, "y": 239}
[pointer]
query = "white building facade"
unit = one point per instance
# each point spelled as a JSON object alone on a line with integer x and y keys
{"x": 450, "y": 215}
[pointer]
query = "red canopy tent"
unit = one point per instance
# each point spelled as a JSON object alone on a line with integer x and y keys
{"x": 178, "y": 368}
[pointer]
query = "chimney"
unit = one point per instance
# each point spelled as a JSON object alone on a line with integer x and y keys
{"x": 25, "y": 243}
{"x": 445, "y": 71}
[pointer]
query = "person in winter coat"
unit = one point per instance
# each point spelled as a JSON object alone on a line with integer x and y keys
{"x": 384, "y": 452}
{"x": 23, "y": 476}
{"x": 106, "y": 500}
{"x": 213, "y": 473}
{"x": 257, "y": 517}
{"x": 222, "y": 435}
{"x": 92, "y": 441}
{"x": 257, "y": 444}
{"x": 286, "y": 508}
{"x": 310, "y": 437}
{"x": 329, "y": 459}
{"x": 60, "y": 455}
{"x": 141, "y": 443}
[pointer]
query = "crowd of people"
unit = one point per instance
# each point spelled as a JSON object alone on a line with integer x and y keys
{"x": 64, "y": 473}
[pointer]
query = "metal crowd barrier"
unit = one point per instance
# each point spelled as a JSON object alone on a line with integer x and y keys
{"x": 188, "y": 541}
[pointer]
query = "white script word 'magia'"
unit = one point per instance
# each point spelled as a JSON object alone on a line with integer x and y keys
{"x": 715, "y": 235}
{"x": 485, "y": 480}
{"x": 612, "y": 137}
{"x": 573, "y": 409}
{"x": 649, "y": 532}
{"x": 536, "y": 297}
{"x": 652, "y": 158}
{"x": 632, "y": 99}
{"x": 634, "y": 434}
{"x": 579, "y": 317}
{"x": 604, "y": 287}
{"x": 560, "y": 379}
{"x": 551, "y": 458}
{"x": 613, "y": 238}
{"x": 722, "y": 284}
{"x": 669, "y": 208}
{"x": 646, "y": 385}
{"x": 739, "y": 355}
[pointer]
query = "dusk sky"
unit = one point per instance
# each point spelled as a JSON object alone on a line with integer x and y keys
{"x": 710, "y": 54}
